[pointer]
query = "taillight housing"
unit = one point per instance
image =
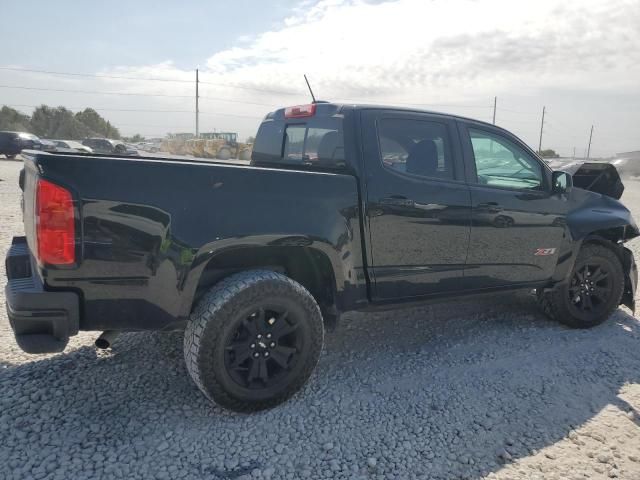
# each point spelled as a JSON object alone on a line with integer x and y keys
{"x": 300, "y": 111}
{"x": 55, "y": 224}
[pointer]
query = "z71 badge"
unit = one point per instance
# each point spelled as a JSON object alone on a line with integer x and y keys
{"x": 543, "y": 252}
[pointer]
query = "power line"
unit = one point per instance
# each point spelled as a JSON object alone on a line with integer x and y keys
{"x": 98, "y": 92}
{"x": 239, "y": 101}
{"x": 148, "y": 79}
{"x": 100, "y": 109}
{"x": 412, "y": 104}
{"x": 256, "y": 89}
{"x": 133, "y": 94}
{"x": 94, "y": 75}
{"x": 107, "y": 109}
{"x": 95, "y": 92}
{"x": 204, "y": 82}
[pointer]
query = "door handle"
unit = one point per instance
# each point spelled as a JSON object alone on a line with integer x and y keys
{"x": 488, "y": 205}
{"x": 397, "y": 200}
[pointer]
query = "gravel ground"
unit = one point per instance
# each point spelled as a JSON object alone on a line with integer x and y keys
{"x": 472, "y": 389}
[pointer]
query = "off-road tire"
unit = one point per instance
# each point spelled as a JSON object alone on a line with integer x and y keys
{"x": 214, "y": 318}
{"x": 224, "y": 154}
{"x": 555, "y": 303}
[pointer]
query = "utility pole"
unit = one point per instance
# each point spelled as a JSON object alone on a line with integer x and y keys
{"x": 495, "y": 103}
{"x": 574, "y": 153}
{"x": 541, "y": 127}
{"x": 197, "y": 107}
{"x": 589, "y": 147}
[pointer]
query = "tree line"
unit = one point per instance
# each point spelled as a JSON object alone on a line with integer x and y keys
{"x": 58, "y": 122}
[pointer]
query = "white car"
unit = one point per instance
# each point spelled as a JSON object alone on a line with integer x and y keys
{"x": 71, "y": 146}
{"x": 148, "y": 147}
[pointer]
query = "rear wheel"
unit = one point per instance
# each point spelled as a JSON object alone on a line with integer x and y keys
{"x": 253, "y": 340}
{"x": 592, "y": 293}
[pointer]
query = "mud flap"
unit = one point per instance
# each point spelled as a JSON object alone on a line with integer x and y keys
{"x": 630, "y": 279}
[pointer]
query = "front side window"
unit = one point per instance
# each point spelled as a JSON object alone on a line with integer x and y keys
{"x": 416, "y": 147}
{"x": 502, "y": 163}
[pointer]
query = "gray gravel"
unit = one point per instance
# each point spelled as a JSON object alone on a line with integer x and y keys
{"x": 472, "y": 389}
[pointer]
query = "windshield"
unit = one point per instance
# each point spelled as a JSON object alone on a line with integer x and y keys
{"x": 28, "y": 136}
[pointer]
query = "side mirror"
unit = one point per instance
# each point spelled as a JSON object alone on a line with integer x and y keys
{"x": 561, "y": 182}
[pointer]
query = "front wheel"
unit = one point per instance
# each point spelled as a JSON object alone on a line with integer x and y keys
{"x": 224, "y": 154}
{"x": 592, "y": 293}
{"x": 253, "y": 340}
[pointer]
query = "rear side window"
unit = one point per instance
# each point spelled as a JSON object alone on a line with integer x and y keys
{"x": 416, "y": 147}
{"x": 318, "y": 142}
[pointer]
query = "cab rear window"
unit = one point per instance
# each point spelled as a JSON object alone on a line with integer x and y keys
{"x": 317, "y": 142}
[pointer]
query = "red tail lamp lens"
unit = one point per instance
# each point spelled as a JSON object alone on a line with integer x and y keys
{"x": 55, "y": 224}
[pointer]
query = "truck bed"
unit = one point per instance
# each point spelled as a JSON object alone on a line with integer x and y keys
{"x": 150, "y": 227}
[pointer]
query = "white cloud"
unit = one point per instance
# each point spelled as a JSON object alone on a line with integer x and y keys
{"x": 580, "y": 58}
{"x": 398, "y": 47}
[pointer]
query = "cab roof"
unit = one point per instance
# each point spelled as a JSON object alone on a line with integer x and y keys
{"x": 331, "y": 108}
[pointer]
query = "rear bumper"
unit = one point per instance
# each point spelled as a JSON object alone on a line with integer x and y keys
{"x": 42, "y": 321}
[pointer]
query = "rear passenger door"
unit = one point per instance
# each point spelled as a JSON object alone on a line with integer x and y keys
{"x": 418, "y": 205}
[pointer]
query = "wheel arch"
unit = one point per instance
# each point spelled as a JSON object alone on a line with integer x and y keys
{"x": 310, "y": 267}
{"x": 611, "y": 238}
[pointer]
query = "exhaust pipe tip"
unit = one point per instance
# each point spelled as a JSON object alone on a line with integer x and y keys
{"x": 107, "y": 338}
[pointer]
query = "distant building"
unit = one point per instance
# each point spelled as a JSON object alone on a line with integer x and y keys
{"x": 634, "y": 155}
{"x": 181, "y": 136}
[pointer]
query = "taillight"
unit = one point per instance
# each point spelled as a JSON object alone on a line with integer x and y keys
{"x": 55, "y": 224}
{"x": 300, "y": 111}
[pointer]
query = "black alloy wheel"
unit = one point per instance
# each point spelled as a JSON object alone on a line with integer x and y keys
{"x": 263, "y": 348}
{"x": 591, "y": 288}
{"x": 253, "y": 340}
{"x": 592, "y": 291}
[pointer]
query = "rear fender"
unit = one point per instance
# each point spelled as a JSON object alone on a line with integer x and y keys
{"x": 330, "y": 273}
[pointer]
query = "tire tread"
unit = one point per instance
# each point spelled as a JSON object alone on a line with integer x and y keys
{"x": 205, "y": 323}
{"x": 553, "y": 303}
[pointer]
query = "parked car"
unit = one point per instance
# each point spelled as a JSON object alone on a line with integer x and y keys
{"x": 108, "y": 146}
{"x": 48, "y": 145}
{"x": 71, "y": 146}
{"x": 148, "y": 147}
{"x": 256, "y": 260}
{"x": 12, "y": 143}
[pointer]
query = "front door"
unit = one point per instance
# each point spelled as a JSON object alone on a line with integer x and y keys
{"x": 518, "y": 224}
{"x": 419, "y": 206}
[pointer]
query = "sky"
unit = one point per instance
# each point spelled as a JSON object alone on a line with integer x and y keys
{"x": 578, "y": 58}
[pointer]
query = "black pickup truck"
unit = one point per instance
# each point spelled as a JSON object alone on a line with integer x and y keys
{"x": 343, "y": 208}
